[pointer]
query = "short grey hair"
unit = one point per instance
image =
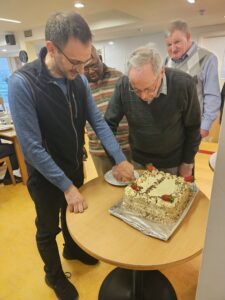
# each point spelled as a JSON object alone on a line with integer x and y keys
{"x": 61, "y": 26}
{"x": 143, "y": 56}
{"x": 180, "y": 25}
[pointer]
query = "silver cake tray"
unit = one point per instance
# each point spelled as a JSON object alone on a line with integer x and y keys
{"x": 148, "y": 227}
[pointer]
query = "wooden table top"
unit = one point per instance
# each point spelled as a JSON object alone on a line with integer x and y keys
{"x": 9, "y": 133}
{"x": 113, "y": 241}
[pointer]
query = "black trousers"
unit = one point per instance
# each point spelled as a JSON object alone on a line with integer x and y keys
{"x": 50, "y": 203}
{"x": 8, "y": 150}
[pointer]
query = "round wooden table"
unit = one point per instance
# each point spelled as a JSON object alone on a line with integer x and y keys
{"x": 138, "y": 256}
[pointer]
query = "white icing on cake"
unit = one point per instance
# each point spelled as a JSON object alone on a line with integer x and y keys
{"x": 144, "y": 196}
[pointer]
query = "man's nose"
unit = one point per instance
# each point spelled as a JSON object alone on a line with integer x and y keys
{"x": 91, "y": 71}
{"x": 144, "y": 95}
{"x": 173, "y": 48}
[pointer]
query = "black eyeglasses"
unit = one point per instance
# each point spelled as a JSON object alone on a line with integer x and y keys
{"x": 74, "y": 62}
{"x": 91, "y": 66}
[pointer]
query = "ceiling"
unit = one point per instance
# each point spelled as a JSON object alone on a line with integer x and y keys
{"x": 110, "y": 19}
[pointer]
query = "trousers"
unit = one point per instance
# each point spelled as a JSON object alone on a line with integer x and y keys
{"x": 50, "y": 206}
{"x": 8, "y": 150}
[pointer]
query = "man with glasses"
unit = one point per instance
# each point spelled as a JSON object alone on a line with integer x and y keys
{"x": 102, "y": 80}
{"x": 50, "y": 102}
{"x": 163, "y": 113}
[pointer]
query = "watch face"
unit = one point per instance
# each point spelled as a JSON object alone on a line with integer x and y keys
{"x": 23, "y": 56}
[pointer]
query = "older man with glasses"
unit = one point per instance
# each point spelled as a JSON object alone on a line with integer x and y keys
{"x": 50, "y": 101}
{"x": 163, "y": 113}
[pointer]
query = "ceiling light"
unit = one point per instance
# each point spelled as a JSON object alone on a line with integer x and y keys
{"x": 8, "y": 20}
{"x": 191, "y": 1}
{"x": 111, "y": 43}
{"x": 4, "y": 50}
{"x": 78, "y": 4}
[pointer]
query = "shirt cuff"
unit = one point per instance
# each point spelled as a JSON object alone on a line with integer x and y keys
{"x": 118, "y": 157}
{"x": 65, "y": 184}
{"x": 188, "y": 165}
{"x": 206, "y": 124}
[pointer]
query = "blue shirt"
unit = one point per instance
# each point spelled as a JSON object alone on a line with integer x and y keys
{"x": 210, "y": 84}
{"x": 28, "y": 130}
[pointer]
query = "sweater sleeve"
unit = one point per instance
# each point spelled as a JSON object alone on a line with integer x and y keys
{"x": 22, "y": 106}
{"x": 192, "y": 121}
{"x": 101, "y": 128}
{"x": 114, "y": 112}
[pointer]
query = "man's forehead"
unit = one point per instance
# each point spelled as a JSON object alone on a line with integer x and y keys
{"x": 140, "y": 82}
{"x": 76, "y": 46}
{"x": 177, "y": 34}
{"x": 94, "y": 61}
{"x": 141, "y": 72}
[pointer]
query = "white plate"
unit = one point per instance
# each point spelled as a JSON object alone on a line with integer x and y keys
{"x": 112, "y": 180}
{"x": 5, "y": 127}
{"x": 212, "y": 161}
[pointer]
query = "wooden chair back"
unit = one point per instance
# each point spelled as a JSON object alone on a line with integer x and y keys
{"x": 9, "y": 167}
{"x": 2, "y": 104}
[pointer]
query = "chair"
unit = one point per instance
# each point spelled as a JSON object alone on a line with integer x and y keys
{"x": 9, "y": 167}
{"x": 2, "y": 104}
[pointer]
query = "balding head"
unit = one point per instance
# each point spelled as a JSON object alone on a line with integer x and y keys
{"x": 145, "y": 72}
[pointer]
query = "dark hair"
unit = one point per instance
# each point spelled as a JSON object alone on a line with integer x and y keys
{"x": 61, "y": 26}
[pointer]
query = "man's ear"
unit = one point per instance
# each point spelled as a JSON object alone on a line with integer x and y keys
{"x": 100, "y": 56}
{"x": 162, "y": 71}
{"x": 188, "y": 36}
{"x": 50, "y": 47}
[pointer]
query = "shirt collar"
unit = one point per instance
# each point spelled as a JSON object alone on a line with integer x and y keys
{"x": 162, "y": 89}
{"x": 188, "y": 53}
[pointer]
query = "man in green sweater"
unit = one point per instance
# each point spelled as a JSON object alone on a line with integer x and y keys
{"x": 163, "y": 113}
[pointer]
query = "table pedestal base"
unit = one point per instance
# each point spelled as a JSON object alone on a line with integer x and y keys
{"x": 122, "y": 284}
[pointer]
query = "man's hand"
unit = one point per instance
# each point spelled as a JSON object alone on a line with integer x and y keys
{"x": 204, "y": 133}
{"x": 75, "y": 200}
{"x": 124, "y": 171}
{"x": 185, "y": 170}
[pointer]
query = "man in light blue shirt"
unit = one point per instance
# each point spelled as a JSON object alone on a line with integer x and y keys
{"x": 202, "y": 65}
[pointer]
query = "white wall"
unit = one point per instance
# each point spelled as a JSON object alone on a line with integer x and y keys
{"x": 116, "y": 55}
{"x": 12, "y": 50}
{"x": 217, "y": 46}
{"x": 211, "y": 284}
